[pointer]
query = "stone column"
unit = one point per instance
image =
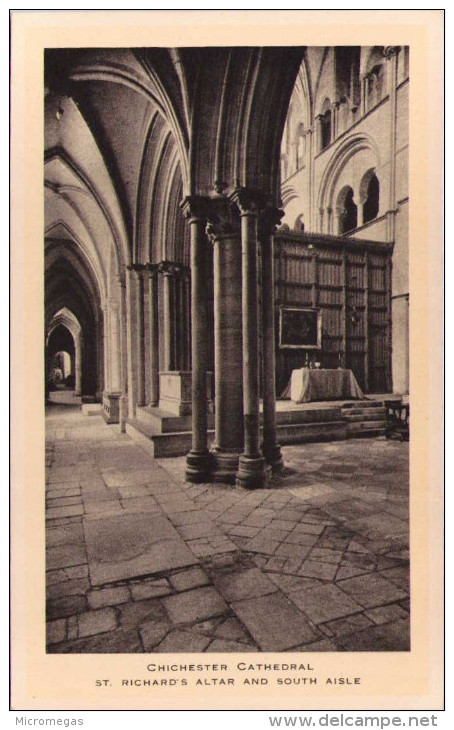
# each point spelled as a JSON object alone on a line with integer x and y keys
{"x": 106, "y": 346}
{"x": 338, "y": 221}
{"x": 224, "y": 232}
{"x": 359, "y": 202}
{"x": 310, "y": 172}
{"x": 154, "y": 333}
{"x": 140, "y": 336}
{"x": 99, "y": 385}
{"x": 165, "y": 269}
{"x": 364, "y": 93}
{"x": 318, "y": 133}
{"x": 129, "y": 342}
{"x": 334, "y": 120}
{"x": 188, "y": 320}
{"x": 391, "y": 53}
{"x": 78, "y": 365}
{"x": 114, "y": 347}
{"x": 268, "y": 221}
{"x": 123, "y": 355}
{"x": 181, "y": 354}
{"x": 252, "y": 472}
{"x": 198, "y": 461}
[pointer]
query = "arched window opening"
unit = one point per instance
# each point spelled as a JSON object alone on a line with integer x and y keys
{"x": 325, "y": 129}
{"x": 375, "y": 86}
{"x": 372, "y": 203}
{"x": 348, "y": 217}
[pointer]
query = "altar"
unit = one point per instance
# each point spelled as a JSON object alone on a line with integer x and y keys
{"x": 307, "y": 384}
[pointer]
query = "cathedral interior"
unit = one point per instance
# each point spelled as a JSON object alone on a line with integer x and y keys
{"x": 224, "y": 226}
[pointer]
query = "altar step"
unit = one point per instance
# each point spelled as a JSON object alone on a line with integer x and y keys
{"x": 365, "y": 419}
{"x": 160, "y": 445}
{"x": 158, "y": 421}
{"x": 163, "y": 434}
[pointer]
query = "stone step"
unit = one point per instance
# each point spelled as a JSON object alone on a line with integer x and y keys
{"x": 364, "y": 428}
{"x": 309, "y": 415}
{"x": 159, "y": 421}
{"x": 301, "y": 433}
{"x": 179, "y": 443}
{"x": 367, "y": 434}
{"x": 360, "y": 404}
{"x": 357, "y": 418}
{"x": 364, "y": 409}
{"x": 176, "y": 443}
{"x": 163, "y": 434}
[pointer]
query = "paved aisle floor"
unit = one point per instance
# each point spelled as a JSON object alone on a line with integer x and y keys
{"x": 140, "y": 561}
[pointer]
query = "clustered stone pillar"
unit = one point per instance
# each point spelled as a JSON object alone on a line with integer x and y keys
{"x": 115, "y": 347}
{"x": 271, "y": 449}
{"x": 198, "y": 461}
{"x": 130, "y": 340}
{"x": 166, "y": 270}
{"x": 232, "y": 227}
{"x": 106, "y": 343}
{"x": 224, "y": 233}
{"x": 78, "y": 364}
{"x": 123, "y": 360}
{"x": 140, "y": 338}
{"x": 252, "y": 470}
{"x": 154, "y": 333}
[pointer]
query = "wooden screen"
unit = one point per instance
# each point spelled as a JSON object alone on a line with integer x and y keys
{"x": 349, "y": 281}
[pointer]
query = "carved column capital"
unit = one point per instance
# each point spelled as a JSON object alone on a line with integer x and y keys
{"x": 152, "y": 269}
{"x": 168, "y": 268}
{"x": 223, "y": 220}
{"x": 269, "y": 219}
{"x": 136, "y": 269}
{"x": 194, "y": 207}
{"x": 249, "y": 201}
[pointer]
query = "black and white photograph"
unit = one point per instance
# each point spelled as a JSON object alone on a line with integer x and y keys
{"x": 213, "y": 484}
{"x": 227, "y": 357}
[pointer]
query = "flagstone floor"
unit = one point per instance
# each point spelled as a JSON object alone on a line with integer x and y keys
{"x": 140, "y": 561}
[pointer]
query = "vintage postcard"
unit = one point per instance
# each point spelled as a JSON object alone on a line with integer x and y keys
{"x": 227, "y": 355}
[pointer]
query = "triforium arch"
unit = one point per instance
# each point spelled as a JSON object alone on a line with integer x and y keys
{"x": 150, "y": 148}
{"x": 347, "y": 168}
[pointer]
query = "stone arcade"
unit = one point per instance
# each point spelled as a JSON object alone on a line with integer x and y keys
{"x": 216, "y": 218}
{"x": 163, "y": 172}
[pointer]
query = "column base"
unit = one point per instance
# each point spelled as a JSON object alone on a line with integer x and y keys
{"x": 252, "y": 472}
{"x": 273, "y": 456}
{"x": 199, "y": 467}
{"x": 225, "y": 466}
{"x": 111, "y": 407}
